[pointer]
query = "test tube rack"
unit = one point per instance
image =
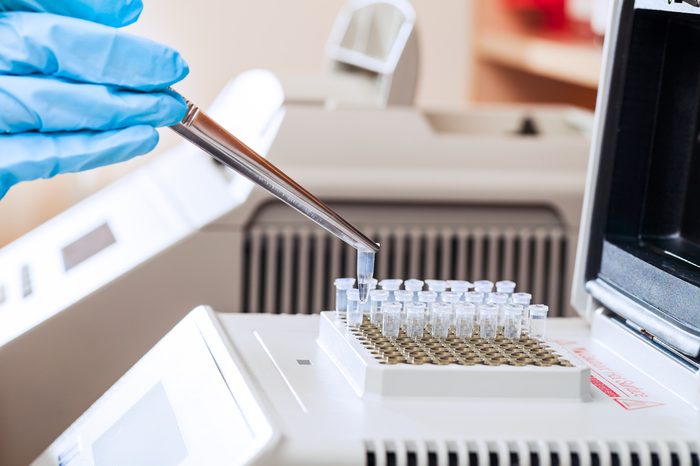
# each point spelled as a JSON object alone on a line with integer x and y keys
{"x": 452, "y": 350}
{"x": 455, "y": 368}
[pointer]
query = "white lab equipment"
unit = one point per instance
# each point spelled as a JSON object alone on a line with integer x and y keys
{"x": 297, "y": 389}
{"x": 187, "y": 231}
{"x": 372, "y": 59}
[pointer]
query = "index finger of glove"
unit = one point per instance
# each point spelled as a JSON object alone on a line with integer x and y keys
{"x": 82, "y": 51}
{"x": 115, "y": 13}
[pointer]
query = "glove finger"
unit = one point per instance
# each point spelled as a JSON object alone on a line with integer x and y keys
{"x": 114, "y": 13}
{"x": 38, "y": 103}
{"x": 30, "y": 156}
{"x": 83, "y": 51}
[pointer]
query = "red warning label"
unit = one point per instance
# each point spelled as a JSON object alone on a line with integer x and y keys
{"x": 636, "y": 404}
{"x": 623, "y": 391}
{"x": 603, "y": 388}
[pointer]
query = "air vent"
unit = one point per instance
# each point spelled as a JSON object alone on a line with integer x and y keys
{"x": 538, "y": 453}
{"x": 290, "y": 265}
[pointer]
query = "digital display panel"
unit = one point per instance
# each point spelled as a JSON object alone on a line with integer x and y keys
{"x": 146, "y": 435}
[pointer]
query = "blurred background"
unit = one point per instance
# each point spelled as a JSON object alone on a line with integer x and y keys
{"x": 471, "y": 52}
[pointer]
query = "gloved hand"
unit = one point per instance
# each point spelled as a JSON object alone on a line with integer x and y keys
{"x": 75, "y": 92}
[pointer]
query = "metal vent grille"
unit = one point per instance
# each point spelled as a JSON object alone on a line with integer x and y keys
{"x": 539, "y": 453}
{"x": 290, "y": 267}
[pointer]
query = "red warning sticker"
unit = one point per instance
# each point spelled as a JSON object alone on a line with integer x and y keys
{"x": 636, "y": 404}
{"x": 623, "y": 391}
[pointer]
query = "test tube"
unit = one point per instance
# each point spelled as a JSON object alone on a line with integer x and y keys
{"x": 391, "y": 319}
{"x": 474, "y": 297}
{"x": 413, "y": 285}
{"x": 499, "y": 299}
{"x": 464, "y": 320}
{"x": 354, "y": 312}
{"x": 505, "y": 286}
{"x": 460, "y": 286}
{"x": 538, "y": 320}
{"x": 483, "y": 286}
{"x": 512, "y": 321}
{"x": 451, "y": 298}
{"x": 377, "y": 298}
{"x": 404, "y": 297}
{"x": 342, "y": 285}
{"x": 391, "y": 285}
{"x": 524, "y": 300}
{"x": 367, "y": 305}
{"x": 440, "y": 320}
{"x": 428, "y": 298}
{"x": 415, "y": 320}
{"x": 437, "y": 286}
{"x": 521, "y": 298}
{"x": 488, "y": 321}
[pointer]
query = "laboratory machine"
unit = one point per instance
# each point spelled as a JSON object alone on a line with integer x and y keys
{"x": 618, "y": 385}
{"x": 371, "y": 59}
{"x": 485, "y": 193}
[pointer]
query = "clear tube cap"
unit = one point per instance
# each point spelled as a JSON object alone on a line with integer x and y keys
{"x": 353, "y": 294}
{"x": 538, "y": 311}
{"x": 466, "y": 308}
{"x": 436, "y": 285}
{"x": 442, "y": 308}
{"x": 427, "y": 296}
{"x": 390, "y": 308}
{"x": 451, "y": 296}
{"x": 460, "y": 286}
{"x": 488, "y": 310}
{"x": 413, "y": 284}
{"x": 474, "y": 297}
{"x": 521, "y": 298}
{"x": 403, "y": 295}
{"x": 344, "y": 283}
{"x": 497, "y": 298}
{"x": 513, "y": 310}
{"x": 379, "y": 295}
{"x": 483, "y": 286}
{"x": 415, "y": 308}
{"x": 391, "y": 284}
{"x": 505, "y": 286}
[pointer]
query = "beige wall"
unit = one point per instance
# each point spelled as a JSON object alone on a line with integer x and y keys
{"x": 220, "y": 38}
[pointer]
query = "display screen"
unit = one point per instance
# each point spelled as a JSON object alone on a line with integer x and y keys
{"x": 87, "y": 246}
{"x": 146, "y": 435}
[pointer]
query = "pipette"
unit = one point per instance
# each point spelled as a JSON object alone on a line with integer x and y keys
{"x": 212, "y": 138}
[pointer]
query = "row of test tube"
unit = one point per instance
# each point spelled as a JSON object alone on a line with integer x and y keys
{"x": 446, "y": 305}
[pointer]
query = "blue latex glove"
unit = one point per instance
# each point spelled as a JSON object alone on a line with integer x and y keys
{"x": 75, "y": 92}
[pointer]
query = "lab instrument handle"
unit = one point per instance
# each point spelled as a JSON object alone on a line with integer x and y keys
{"x": 205, "y": 133}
